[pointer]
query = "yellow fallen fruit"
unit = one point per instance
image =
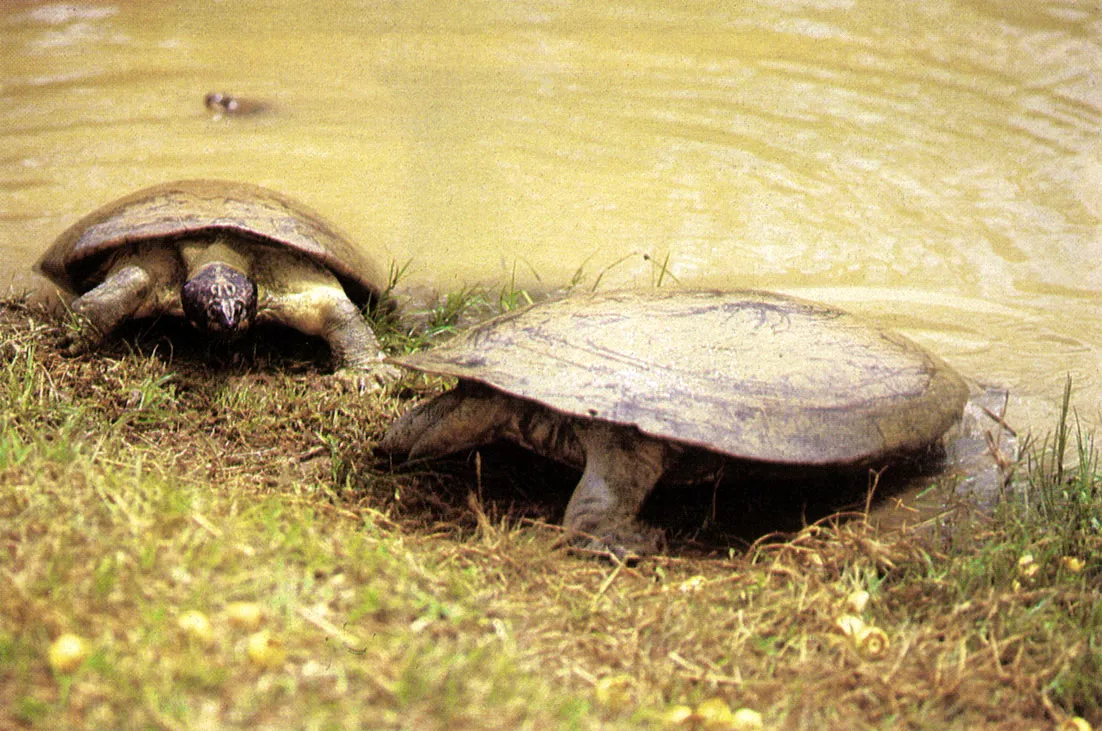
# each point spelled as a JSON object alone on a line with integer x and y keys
{"x": 849, "y": 625}
{"x": 857, "y": 601}
{"x": 614, "y": 691}
{"x": 746, "y": 719}
{"x": 872, "y": 642}
{"x": 245, "y": 615}
{"x": 1075, "y": 723}
{"x": 67, "y": 653}
{"x": 265, "y": 651}
{"x": 714, "y": 713}
{"x": 691, "y": 585}
{"x": 1074, "y": 565}
{"x": 196, "y": 625}
{"x": 676, "y": 715}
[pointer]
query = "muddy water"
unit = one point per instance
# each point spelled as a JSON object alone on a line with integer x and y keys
{"x": 936, "y": 165}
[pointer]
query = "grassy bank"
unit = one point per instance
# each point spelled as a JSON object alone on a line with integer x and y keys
{"x": 231, "y": 553}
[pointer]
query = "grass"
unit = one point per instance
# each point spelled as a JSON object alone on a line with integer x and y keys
{"x": 150, "y": 479}
{"x": 423, "y": 325}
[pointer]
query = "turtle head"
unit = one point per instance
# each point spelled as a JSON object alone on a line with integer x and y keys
{"x": 219, "y": 299}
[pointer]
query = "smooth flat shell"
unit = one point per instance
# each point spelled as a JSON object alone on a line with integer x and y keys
{"x": 749, "y": 374}
{"x": 188, "y": 208}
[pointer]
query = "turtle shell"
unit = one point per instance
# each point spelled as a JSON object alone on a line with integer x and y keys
{"x": 748, "y": 374}
{"x": 190, "y": 208}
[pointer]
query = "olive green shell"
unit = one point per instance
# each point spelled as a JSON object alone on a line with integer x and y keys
{"x": 748, "y": 374}
{"x": 191, "y": 208}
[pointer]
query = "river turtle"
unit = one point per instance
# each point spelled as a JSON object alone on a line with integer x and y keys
{"x": 636, "y": 386}
{"x": 224, "y": 255}
{"x": 222, "y": 104}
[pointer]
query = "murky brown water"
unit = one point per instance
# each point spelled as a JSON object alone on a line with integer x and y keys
{"x": 936, "y": 165}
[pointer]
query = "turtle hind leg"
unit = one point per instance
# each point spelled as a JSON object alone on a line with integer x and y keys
{"x": 104, "y": 307}
{"x": 621, "y": 469}
{"x": 449, "y": 423}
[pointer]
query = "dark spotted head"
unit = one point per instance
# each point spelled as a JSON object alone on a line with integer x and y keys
{"x": 219, "y": 299}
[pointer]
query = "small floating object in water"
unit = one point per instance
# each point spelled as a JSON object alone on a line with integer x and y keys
{"x": 231, "y": 105}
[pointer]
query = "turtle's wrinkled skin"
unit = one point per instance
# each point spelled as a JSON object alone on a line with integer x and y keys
{"x": 632, "y": 387}
{"x": 224, "y": 255}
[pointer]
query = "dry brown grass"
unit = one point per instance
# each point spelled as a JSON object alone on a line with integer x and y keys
{"x": 135, "y": 486}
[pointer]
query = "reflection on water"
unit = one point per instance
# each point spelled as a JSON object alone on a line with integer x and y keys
{"x": 935, "y": 165}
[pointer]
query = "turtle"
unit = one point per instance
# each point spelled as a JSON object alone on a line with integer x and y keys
{"x": 636, "y": 386}
{"x": 223, "y": 104}
{"x": 224, "y": 255}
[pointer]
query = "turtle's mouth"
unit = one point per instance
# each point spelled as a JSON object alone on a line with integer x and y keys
{"x": 227, "y": 315}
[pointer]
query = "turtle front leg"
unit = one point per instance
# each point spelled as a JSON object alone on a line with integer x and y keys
{"x": 117, "y": 298}
{"x": 327, "y": 312}
{"x": 621, "y": 469}
{"x": 354, "y": 344}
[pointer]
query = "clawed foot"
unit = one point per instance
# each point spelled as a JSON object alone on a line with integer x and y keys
{"x": 77, "y": 336}
{"x": 626, "y": 543}
{"x": 367, "y": 380}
